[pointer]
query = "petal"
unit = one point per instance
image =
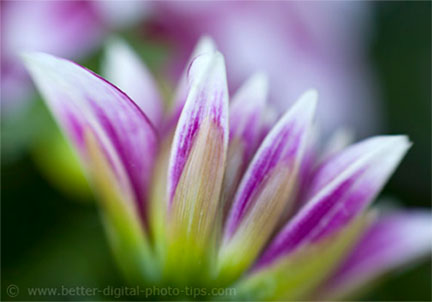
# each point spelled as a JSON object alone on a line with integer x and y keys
{"x": 197, "y": 163}
{"x": 264, "y": 192}
{"x": 123, "y": 67}
{"x": 158, "y": 205}
{"x": 394, "y": 240}
{"x": 204, "y": 45}
{"x": 294, "y": 277}
{"x": 246, "y": 126}
{"x": 342, "y": 187}
{"x": 79, "y": 99}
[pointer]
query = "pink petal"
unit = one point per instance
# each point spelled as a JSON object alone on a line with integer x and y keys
{"x": 284, "y": 145}
{"x": 196, "y": 170}
{"x": 266, "y": 190}
{"x": 342, "y": 187}
{"x": 81, "y": 100}
{"x": 207, "y": 100}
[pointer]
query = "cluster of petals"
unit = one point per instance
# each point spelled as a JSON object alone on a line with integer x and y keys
{"x": 215, "y": 190}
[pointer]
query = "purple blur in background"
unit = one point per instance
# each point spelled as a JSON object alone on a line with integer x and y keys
{"x": 300, "y": 45}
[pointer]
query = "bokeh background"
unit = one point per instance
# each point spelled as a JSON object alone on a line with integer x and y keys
{"x": 51, "y": 234}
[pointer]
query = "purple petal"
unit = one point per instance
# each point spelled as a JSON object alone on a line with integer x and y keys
{"x": 342, "y": 187}
{"x": 207, "y": 101}
{"x": 394, "y": 240}
{"x": 283, "y": 146}
{"x": 265, "y": 191}
{"x": 196, "y": 170}
{"x": 246, "y": 126}
{"x": 81, "y": 100}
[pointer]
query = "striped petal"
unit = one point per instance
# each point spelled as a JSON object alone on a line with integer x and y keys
{"x": 197, "y": 164}
{"x": 394, "y": 240}
{"x": 264, "y": 192}
{"x": 158, "y": 205}
{"x": 246, "y": 126}
{"x": 123, "y": 67}
{"x": 341, "y": 188}
{"x": 204, "y": 45}
{"x": 79, "y": 100}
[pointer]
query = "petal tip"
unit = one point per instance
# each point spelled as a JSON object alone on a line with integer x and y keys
{"x": 205, "y": 63}
{"x": 33, "y": 58}
{"x": 305, "y": 107}
{"x": 258, "y": 85}
{"x": 397, "y": 144}
{"x": 206, "y": 44}
{"x": 309, "y": 99}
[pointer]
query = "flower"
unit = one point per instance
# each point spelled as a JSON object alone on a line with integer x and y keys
{"x": 209, "y": 193}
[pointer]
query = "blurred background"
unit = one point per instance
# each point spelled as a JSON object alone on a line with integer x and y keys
{"x": 371, "y": 63}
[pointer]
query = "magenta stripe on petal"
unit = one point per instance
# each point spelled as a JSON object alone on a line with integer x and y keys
{"x": 207, "y": 99}
{"x": 80, "y": 100}
{"x": 341, "y": 188}
{"x": 283, "y": 145}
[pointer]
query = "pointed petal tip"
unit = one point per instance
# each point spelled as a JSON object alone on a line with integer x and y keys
{"x": 32, "y": 58}
{"x": 252, "y": 95}
{"x": 257, "y": 86}
{"x": 206, "y": 43}
{"x": 205, "y": 51}
{"x": 114, "y": 40}
{"x": 400, "y": 140}
{"x": 304, "y": 108}
{"x": 210, "y": 62}
{"x": 114, "y": 45}
{"x": 311, "y": 94}
{"x": 309, "y": 100}
{"x": 259, "y": 79}
{"x": 398, "y": 145}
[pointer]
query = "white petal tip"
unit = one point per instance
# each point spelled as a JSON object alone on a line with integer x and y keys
{"x": 205, "y": 44}
{"x": 33, "y": 57}
{"x": 205, "y": 63}
{"x": 310, "y": 98}
{"x": 398, "y": 143}
{"x": 258, "y": 84}
{"x": 306, "y": 105}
